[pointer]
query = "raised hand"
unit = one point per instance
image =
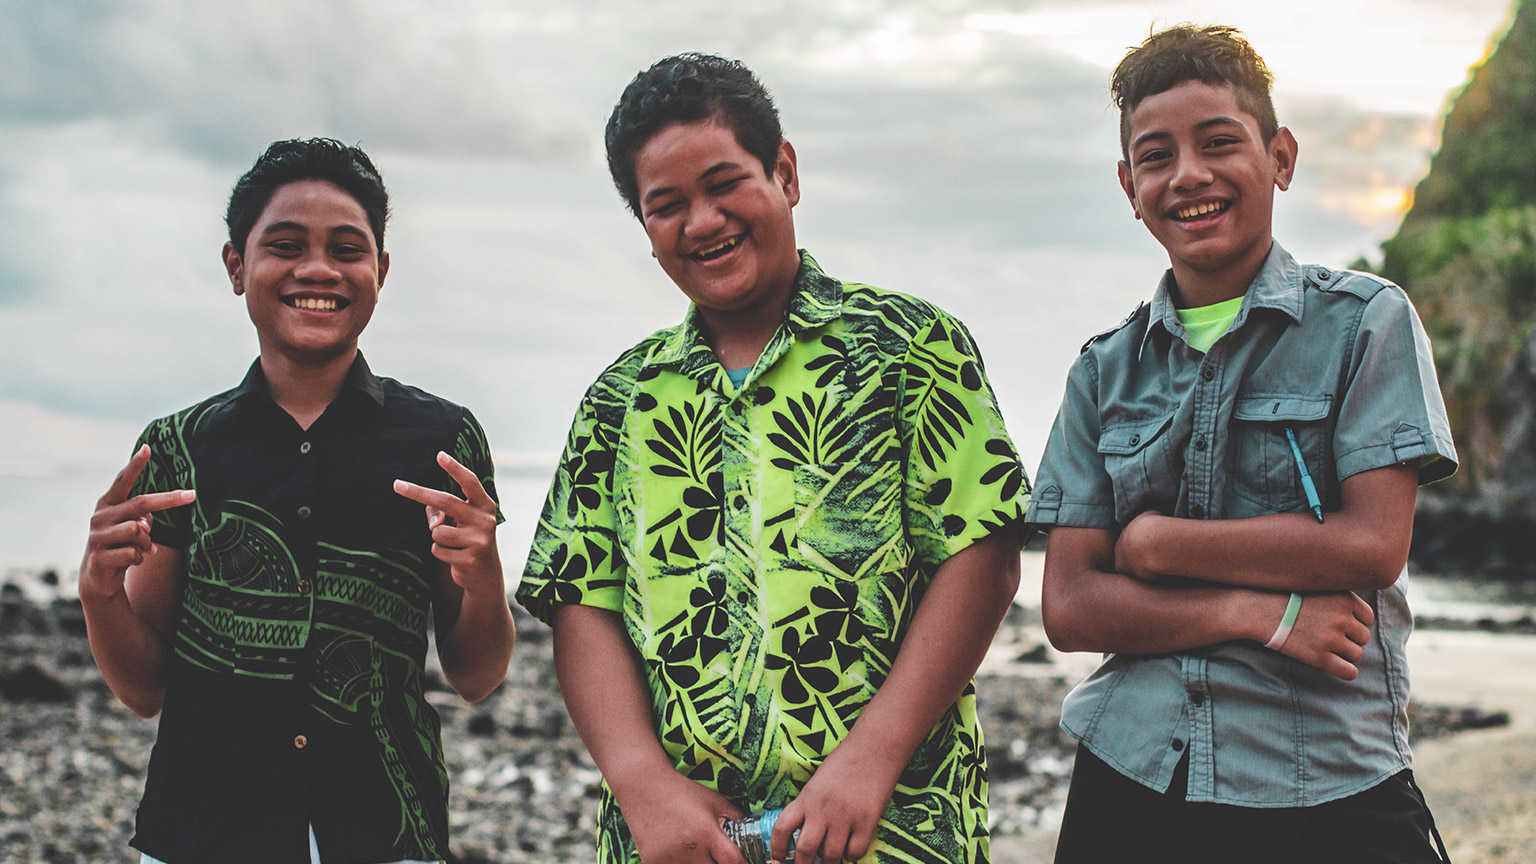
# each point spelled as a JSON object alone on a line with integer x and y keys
{"x": 1330, "y": 633}
{"x": 463, "y": 529}
{"x": 120, "y": 528}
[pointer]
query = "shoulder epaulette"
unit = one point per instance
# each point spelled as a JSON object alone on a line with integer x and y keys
{"x": 1361, "y": 284}
{"x": 1117, "y": 328}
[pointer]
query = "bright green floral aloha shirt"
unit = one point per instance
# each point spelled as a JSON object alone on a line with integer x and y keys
{"x": 769, "y": 544}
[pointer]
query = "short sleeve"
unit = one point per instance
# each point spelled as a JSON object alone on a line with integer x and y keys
{"x": 472, "y": 450}
{"x": 575, "y": 556}
{"x": 169, "y": 469}
{"x": 1072, "y": 486}
{"x": 964, "y": 479}
{"x": 1390, "y": 410}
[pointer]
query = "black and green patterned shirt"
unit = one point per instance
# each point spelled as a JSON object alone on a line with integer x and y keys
{"x": 294, "y": 690}
{"x": 768, "y": 544}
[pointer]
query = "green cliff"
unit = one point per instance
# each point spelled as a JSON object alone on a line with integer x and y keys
{"x": 1466, "y": 253}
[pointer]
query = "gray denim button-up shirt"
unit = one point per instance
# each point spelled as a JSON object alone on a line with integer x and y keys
{"x": 1150, "y": 423}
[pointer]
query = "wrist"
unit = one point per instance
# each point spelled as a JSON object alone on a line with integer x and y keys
{"x": 1255, "y": 614}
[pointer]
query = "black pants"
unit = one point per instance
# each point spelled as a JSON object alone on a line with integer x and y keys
{"x": 1111, "y": 819}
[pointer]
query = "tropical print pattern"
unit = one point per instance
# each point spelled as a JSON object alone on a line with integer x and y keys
{"x": 767, "y": 545}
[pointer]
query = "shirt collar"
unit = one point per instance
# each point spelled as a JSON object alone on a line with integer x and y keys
{"x": 817, "y": 299}
{"x": 359, "y": 379}
{"x": 1278, "y": 286}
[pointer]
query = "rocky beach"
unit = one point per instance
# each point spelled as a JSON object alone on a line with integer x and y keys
{"x": 524, "y": 789}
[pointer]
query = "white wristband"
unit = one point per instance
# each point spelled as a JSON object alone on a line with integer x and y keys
{"x": 1283, "y": 632}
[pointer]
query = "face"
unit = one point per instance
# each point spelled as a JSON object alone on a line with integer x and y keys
{"x": 1201, "y": 177}
{"x": 310, "y": 272}
{"x": 719, "y": 226}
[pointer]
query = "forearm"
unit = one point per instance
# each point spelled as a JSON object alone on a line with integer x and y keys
{"x": 129, "y": 652}
{"x": 943, "y": 646}
{"x": 476, "y": 649}
{"x": 608, "y": 700}
{"x": 1088, "y": 607}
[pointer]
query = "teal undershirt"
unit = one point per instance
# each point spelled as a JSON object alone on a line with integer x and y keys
{"x": 738, "y": 376}
{"x": 1206, "y": 324}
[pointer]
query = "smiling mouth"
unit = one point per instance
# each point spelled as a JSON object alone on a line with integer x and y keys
{"x": 316, "y": 304}
{"x": 716, "y": 251}
{"x": 1185, "y": 214}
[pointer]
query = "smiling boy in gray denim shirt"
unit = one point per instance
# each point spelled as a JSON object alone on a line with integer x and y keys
{"x": 1229, "y": 487}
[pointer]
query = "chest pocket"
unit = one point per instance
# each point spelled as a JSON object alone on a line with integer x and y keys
{"x": 1264, "y": 470}
{"x": 848, "y": 520}
{"x": 1138, "y": 457}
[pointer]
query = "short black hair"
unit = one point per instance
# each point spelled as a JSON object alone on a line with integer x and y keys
{"x": 1214, "y": 55}
{"x": 297, "y": 159}
{"x": 685, "y": 88}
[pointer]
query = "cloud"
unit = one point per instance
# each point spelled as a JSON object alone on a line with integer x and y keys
{"x": 221, "y": 79}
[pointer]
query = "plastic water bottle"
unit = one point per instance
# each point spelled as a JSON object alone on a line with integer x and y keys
{"x": 751, "y": 835}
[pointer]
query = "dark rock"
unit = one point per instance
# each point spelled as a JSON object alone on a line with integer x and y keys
{"x": 481, "y": 725}
{"x": 30, "y": 683}
{"x": 1427, "y": 721}
{"x": 49, "y": 577}
{"x": 69, "y": 616}
{"x": 1037, "y": 654}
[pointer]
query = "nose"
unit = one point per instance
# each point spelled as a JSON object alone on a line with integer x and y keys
{"x": 704, "y": 219}
{"x": 316, "y": 268}
{"x": 1192, "y": 172}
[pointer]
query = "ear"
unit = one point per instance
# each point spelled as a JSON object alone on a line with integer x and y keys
{"x": 1283, "y": 148}
{"x": 234, "y": 266}
{"x": 787, "y": 173}
{"x": 383, "y": 268}
{"x": 1127, "y": 185}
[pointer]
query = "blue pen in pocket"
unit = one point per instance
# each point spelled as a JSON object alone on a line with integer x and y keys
{"x": 1306, "y": 476}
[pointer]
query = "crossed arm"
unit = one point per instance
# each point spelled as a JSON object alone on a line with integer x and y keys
{"x": 674, "y": 819}
{"x": 1102, "y": 592}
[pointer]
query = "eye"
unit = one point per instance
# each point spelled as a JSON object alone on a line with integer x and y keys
{"x": 285, "y": 248}
{"x": 1221, "y": 141}
{"x": 666, "y": 208}
{"x": 1150, "y": 156}
{"x": 349, "y": 250}
{"x": 725, "y": 186}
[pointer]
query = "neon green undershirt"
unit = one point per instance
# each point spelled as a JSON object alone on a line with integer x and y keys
{"x": 1206, "y": 324}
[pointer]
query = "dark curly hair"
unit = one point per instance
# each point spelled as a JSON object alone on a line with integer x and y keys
{"x": 682, "y": 89}
{"x": 296, "y": 159}
{"x": 1214, "y": 55}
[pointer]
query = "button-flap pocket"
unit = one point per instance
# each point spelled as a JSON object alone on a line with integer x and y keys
{"x": 1281, "y": 408}
{"x": 1123, "y": 439}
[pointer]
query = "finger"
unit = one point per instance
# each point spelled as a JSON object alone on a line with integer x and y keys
{"x": 122, "y": 484}
{"x": 1363, "y": 610}
{"x": 454, "y": 506}
{"x": 778, "y": 842}
{"x": 1351, "y": 652}
{"x": 808, "y": 846}
{"x": 1358, "y": 633}
{"x": 834, "y": 844}
{"x": 117, "y": 558}
{"x": 460, "y": 537}
{"x": 119, "y": 534}
{"x": 723, "y": 851}
{"x": 435, "y": 517}
{"x": 1338, "y": 667}
{"x": 154, "y": 502}
{"x": 859, "y": 842}
{"x": 474, "y": 492}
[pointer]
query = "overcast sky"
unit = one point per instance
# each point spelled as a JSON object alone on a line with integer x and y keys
{"x": 961, "y": 150}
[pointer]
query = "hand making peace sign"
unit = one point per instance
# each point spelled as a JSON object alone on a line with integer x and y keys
{"x": 463, "y": 529}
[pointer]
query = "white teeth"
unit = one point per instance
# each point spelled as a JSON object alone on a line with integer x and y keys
{"x": 315, "y": 304}
{"x": 1198, "y": 210}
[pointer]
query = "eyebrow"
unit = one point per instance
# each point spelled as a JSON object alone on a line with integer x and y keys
{"x": 1201, "y": 126}
{"x": 290, "y": 225}
{"x": 710, "y": 172}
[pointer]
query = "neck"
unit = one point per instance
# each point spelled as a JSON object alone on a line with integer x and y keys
{"x": 739, "y": 336}
{"x": 1204, "y": 288}
{"x": 305, "y": 388}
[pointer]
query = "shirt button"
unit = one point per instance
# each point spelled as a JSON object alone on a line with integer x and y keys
{"x": 1135, "y": 439}
{"x": 740, "y": 502}
{"x": 1207, "y": 373}
{"x": 304, "y": 512}
{"x": 743, "y": 598}
{"x": 1197, "y": 511}
{"x": 303, "y": 586}
{"x": 300, "y": 742}
{"x": 1197, "y": 698}
{"x": 1178, "y": 745}
{"x": 304, "y": 448}
{"x": 1200, "y": 444}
